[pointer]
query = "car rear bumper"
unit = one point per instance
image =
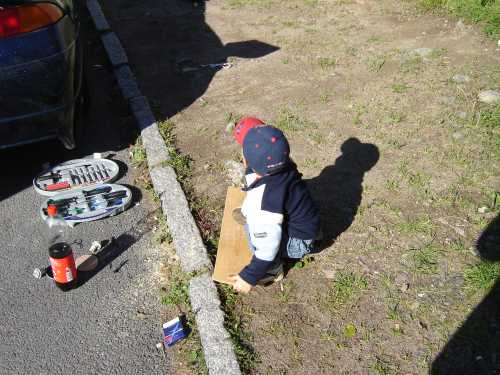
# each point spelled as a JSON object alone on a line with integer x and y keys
{"x": 37, "y": 97}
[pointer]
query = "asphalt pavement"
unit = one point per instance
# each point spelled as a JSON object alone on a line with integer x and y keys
{"x": 111, "y": 323}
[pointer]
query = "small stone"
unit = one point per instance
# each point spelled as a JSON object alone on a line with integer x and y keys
{"x": 460, "y": 78}
{"x": 330, "y": 273}
{"x": 423, "y": 52}
{"x": 230, "y": 127}
{"x": 462, "y": 115}
{"x": 482, "y": 210}
{"x": 489, "y": 97}
{"x": 448, "y": 100}
{"x": 458, "y": 135}
{"x": 460, "y": 26}
{"x": 234, "y": 171}
{"x": 421, "y": 295}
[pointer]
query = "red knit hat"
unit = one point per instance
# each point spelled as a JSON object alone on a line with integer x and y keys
{"x": 243, "y": 126}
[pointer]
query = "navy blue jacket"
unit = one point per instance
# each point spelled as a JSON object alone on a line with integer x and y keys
{"x": 276, "y": 207}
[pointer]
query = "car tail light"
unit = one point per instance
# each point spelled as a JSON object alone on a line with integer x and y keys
{"x": 16, "y": 20}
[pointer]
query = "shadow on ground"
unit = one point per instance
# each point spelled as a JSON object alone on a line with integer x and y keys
{"x": 475, "y": 346}
{"x": 173, "y": 50}
{"x": 338, "y": 189}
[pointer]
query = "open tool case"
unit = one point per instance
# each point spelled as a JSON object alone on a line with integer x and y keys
{"x": 75, "y": 174}
{"x": 80, "y": 190}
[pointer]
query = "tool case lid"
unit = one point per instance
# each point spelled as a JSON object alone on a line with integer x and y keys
{"x": 90, "y": 203}
{"x": 75, "y": 174}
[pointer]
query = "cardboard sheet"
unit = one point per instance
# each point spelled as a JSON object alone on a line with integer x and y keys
{"x": 233, "y": 253}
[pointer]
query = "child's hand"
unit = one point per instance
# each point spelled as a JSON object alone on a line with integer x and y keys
{"x": 240, "y": 285}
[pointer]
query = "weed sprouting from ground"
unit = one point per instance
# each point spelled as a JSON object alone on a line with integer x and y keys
{"x": 426, "y": 259}
{"x": 412, "y": 64}
{"x": 399, "y": 88}
{"x": 289, "y": 121}
{"x": 418, "y": 225}
{"x": 327, "y": 62}
{"x": 247, "y": 357}
{"x": 138, "y": 154}
{"x": 243, "y": 3}
{"x": 177, "y": 293}
{"x": 345, "y": 288}
{"x": 381, "y": 367}
{"x": 162, "y": 234}
{"x": 482, "y": 276}
{"x": 375, "y": 63}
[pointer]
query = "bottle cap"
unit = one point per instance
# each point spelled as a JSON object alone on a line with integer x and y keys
{"x": 51, "y": 210}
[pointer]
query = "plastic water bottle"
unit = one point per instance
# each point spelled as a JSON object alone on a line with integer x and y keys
{"x": 61, "y": 257}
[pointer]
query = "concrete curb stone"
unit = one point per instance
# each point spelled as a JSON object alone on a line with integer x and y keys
{"x": 126, "y": 82}
{"x": 216, "y": 342}
{"x": 100, "y": 21}
{"x": 185, "y": 234}
{"x": 219, "y": 354}
{"x": 114, "y": 50}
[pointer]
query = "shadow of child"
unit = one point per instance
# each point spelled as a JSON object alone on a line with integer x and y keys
{"x": 337, "y": 191}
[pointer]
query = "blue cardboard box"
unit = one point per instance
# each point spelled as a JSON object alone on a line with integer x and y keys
{"x": 173, "y": 331}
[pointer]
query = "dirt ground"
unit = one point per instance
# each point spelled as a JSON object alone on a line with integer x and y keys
{"x": 379, "y": 102}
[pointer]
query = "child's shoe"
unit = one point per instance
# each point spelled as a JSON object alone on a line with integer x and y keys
{"x": 272, "y": 276}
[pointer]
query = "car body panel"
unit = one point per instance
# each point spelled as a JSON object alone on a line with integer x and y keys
{"x": 39, "y": 83}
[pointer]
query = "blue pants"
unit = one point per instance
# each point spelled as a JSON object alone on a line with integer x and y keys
{"x": 290, "y": 247}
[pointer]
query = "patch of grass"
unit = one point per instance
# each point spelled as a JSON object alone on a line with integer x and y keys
{"x": 393, "y": 312}
{"x": 375, "y": 63}
{"x": 304, "y": 262}
{"x": 244, "y": 3}
{"x": 311, "y": 163}
{"x": 458, "y": 246}
{"x": 395, "y": 118}
{"x": 482, "y": 276}
{"x": 359, "y": 111}
{"x": 418, "y": 225}
{"x": 489, "y": 118}
{"x": 162, "y": 234}
{"x": 477, "y": 11}
{"x": 399, "y": 88}
{"x": 345, "y": 288}
{"x": 395, "y": 144}
{"x": 286, "y": 293}
{"x": 426, "y": 259}
{"x": 350, "y": 331}
{"x": 231, "y": 117}
{"x": 381, "y": 367}
{"x": 392, "y": 184}
{"x": 180, "y": 162}
{"x": 324, "y": 98}
{"x": 452, "y": 197}
{"x": 177, "y": 293}
{"x": 289, "y": 121}
{"x": 247, "y": 357}
{"x": 138, "y": 154}
{"x": 196, "y": 360}
{"x": 327, "y": 63}
{"x": 412, "y": 64}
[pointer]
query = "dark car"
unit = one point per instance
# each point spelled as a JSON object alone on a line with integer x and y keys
{"x": 41, "y": 72}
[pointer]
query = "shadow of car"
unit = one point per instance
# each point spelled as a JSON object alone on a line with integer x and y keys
{"x": 41, "y": 72}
